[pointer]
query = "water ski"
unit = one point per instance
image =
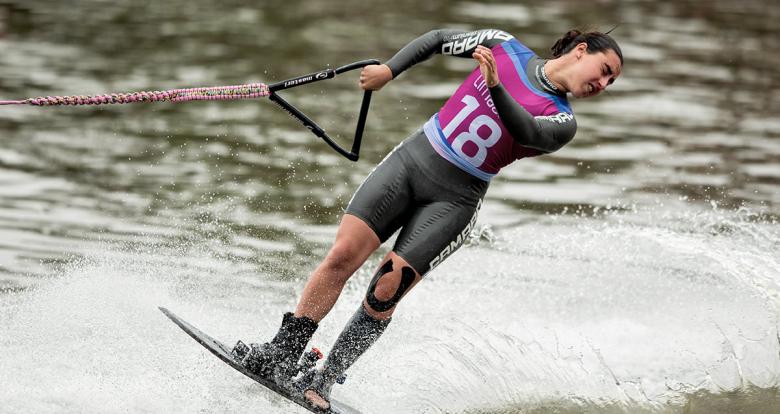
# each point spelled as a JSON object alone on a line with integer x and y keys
{"x": 224, "y": 353}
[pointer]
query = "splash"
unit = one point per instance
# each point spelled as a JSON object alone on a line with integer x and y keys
{"x": 646, "y": 311}
{"x": 635, "y": 310}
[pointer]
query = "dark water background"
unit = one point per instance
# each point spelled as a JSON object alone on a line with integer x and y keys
{"x": 636, "y": 270}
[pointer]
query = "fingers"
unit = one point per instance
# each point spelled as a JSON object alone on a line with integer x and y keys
{"x": 364, "y": 78}
{"x": 364, "y": 75}
{"x": 484, "y": 52}
{"x": 487, "y": 65}
{"x": 485, "y": 57}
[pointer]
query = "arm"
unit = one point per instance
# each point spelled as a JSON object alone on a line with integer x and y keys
{"x": 444, "y": 41}
{"x": 543, "y": 133}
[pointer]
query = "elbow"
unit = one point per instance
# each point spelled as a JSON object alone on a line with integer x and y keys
{"x": 559, "y": 142}
{"x": 437, "y": 34}
{"x": 542, "y": 143}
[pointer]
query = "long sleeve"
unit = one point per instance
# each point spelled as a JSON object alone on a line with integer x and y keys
{"x": 543, "y": 133}
{"x": 444, "y": 41}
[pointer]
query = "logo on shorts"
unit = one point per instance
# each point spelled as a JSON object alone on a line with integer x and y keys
{"x": 455, "y": 244}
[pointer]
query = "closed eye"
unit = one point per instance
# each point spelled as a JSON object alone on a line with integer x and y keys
{"x": 608, "y": 71}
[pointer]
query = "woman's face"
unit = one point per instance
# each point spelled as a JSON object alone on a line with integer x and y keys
{"x": 593, "y": 72}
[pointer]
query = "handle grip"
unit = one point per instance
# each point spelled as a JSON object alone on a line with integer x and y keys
{"x": 356, "y": 65}
{"x": 352, "y": 154}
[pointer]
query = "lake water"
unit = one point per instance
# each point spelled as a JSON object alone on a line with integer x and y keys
{"x": 634, "y": 271}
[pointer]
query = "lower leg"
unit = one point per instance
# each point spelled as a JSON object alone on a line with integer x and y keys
{"x": 355, "y": 241}
{"x": 358, "y": 335}
{"x": 392, "y": 281}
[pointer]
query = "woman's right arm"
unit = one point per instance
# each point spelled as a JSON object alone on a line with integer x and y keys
{"x": 443, "y": 41}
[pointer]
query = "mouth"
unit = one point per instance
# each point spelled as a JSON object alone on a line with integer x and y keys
{"x": 590, "y": 89}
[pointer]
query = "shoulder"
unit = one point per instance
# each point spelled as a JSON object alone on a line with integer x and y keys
{"x": 559, "y": 104}
{"x": 455, "y": 43}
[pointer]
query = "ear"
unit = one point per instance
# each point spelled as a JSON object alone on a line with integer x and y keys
{"x": 580, "y": 49}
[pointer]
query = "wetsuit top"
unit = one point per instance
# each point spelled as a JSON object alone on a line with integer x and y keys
{"x": 481, "y": 129}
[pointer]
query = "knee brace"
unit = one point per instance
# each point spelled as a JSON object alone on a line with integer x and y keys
{"x": 407, "y": 279}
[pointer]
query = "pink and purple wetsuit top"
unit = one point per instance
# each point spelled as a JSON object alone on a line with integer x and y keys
{"x": 481, "y": 129}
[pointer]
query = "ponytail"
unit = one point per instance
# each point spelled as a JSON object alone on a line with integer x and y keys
{"x": 597, "y": 42}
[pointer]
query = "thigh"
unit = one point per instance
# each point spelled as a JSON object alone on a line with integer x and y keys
{"x": 383, "y": 200}
{"x": 355, "y": 241}
{"x": 435, "y": 231}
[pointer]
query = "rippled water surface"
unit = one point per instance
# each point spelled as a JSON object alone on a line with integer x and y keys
{"x": 634, "y": 271}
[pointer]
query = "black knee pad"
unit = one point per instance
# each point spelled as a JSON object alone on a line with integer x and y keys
{"x": 407, "y": 279}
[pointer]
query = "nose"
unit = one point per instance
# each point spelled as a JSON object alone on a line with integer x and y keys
{"x": 603, "y": 83}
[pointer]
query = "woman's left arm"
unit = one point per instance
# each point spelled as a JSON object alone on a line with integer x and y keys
{"x": 543, "y": 133}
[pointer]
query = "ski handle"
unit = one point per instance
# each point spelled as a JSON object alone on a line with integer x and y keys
{"x": 352, "y": 154}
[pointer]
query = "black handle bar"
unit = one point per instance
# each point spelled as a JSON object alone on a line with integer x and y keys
{"x": 354, "y": 153}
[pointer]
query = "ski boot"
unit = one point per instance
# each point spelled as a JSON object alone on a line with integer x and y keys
{"x": 278, "y": 360}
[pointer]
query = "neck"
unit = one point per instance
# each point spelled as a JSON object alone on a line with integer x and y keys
{"x": 554, "y": 70}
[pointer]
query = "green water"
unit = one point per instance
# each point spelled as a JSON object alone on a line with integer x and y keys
{"x": 234, "y": 200}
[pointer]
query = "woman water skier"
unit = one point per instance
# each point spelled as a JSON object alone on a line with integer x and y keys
{"x": 513, "y": 105}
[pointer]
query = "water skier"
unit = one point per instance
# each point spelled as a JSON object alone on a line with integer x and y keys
{"x": 512, "y": 106}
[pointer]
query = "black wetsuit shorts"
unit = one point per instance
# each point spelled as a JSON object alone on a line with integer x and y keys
{"x": 432, "y": 201}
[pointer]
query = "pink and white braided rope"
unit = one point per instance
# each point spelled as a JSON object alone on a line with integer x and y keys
{"x": 213, "y": 93}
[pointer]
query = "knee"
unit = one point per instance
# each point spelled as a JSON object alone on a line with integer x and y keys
{"x": 388, "y": 286}
{"x": 385, "y": 289}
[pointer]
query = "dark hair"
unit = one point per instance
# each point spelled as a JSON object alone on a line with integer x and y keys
{"x": 597, "y": 42}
